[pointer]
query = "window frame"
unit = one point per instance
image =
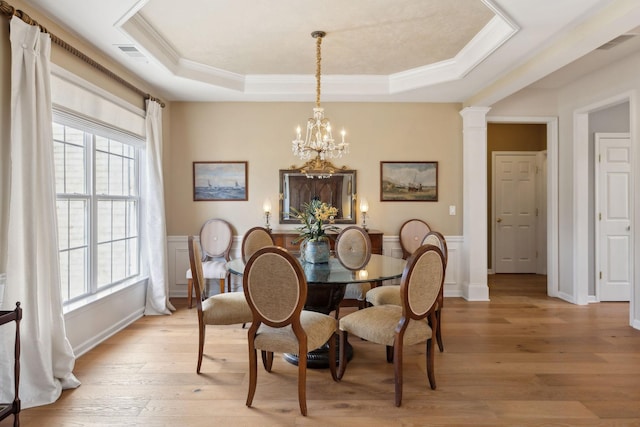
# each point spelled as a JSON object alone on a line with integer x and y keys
{"x": 92, "y": 129}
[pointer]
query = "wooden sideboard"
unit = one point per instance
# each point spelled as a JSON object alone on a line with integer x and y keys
{"x": 286, "y": 238}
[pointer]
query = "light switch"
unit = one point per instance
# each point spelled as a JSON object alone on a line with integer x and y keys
{"x": 452, "y": 210}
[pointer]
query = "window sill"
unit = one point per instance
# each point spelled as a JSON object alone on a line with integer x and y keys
{"x": 102, "y": 294}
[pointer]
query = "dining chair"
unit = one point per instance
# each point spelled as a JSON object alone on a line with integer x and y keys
{"x": 221, "y": 309}
{"x": 396, "y": 326}
{"x": 254, "y": 239}
{"x": 412, "y": 233}
{"x": 276, "y": 290}
{"x": 391, "y": 294}
{"x": 353, "y": 250}
{"x": 216, "y": 238}
{"x": 437, "y": 239}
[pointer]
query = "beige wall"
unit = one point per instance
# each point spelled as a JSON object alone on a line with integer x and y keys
{"x": 261, "y": 134}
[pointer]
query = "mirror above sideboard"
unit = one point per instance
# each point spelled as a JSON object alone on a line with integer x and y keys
{"x": 299, "y": 186}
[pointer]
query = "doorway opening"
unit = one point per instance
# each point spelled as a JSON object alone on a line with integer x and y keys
{"x": 516, "y": 155}
{"x": 540, "y": 135}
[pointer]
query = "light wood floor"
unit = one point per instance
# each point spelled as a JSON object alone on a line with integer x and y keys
{"x": 520, "y": 359}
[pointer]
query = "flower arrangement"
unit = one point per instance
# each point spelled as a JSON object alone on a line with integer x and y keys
{"x": 316, "y": 218}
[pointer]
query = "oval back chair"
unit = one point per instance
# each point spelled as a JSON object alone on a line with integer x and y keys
{"x": 276, "y": 290}
{"x": 397, "y": 325}
{"x": 221, "y": 309}
{"x": 437, "y": 239}
{"x": 216, "y": 237}
{"x": 254, "y": 239}
{"x": 353, "y": 250}
{"x": 412, "y": 233}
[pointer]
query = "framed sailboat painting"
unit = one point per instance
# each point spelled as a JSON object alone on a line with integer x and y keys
{"x": 409, "y": 181}
{"x": 220, "y": 181}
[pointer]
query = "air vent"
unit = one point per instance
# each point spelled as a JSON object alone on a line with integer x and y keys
{"x": 132, "y": 52}
{"x": 615, "y": 42}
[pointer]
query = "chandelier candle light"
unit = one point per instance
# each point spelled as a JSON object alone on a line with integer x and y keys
{"x": 318, "y": 139}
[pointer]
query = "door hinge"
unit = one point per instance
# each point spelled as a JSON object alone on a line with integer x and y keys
{"x": 601, "y": 275}
{"x": 599, "y": 158}
{"x": 600, "y": 216}
{"x": 536, "y": 211}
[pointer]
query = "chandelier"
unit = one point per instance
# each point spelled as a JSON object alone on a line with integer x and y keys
{"x": 318, "y": 140}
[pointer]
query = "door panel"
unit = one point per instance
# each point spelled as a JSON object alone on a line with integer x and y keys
{"x": 515, "y": 213}
{"x": 614, "y": 266}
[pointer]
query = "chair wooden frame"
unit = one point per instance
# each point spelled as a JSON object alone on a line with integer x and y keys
{"x": 212, "y": 251}
{"x": 14, "y": 407}
{"x": 287, "y": 313}
{"x": 409, "y": 313}
{"x": 437, "y": 239}
{"x": 232, "y": 302}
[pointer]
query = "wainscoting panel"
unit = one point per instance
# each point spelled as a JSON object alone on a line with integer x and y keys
{"x": 178, "y": 258}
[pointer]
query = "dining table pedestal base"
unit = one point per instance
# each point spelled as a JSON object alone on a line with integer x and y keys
{"x": 322, "y": 298}
{"x": 319, "y": 358}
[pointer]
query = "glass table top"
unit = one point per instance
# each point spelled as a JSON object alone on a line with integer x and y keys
{"x": 380, "y": 267}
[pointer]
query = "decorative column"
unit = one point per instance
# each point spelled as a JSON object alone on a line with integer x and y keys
{"x": 474, "y": 219}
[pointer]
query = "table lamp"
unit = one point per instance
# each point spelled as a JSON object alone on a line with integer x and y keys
{"x": 364, "y": 208}
{"x": 266, "y": 207}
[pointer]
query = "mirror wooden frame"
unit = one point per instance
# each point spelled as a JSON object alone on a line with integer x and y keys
{"x": 325, "y": 185}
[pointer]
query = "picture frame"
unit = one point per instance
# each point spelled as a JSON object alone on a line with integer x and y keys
{"x": 408, "y": 181}
{"x": 220, "y": 181}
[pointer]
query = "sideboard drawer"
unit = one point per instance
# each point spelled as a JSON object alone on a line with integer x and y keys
{"x": 286, "y": 240}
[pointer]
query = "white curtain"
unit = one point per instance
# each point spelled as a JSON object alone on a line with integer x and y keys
{"x": 33, "y": 277}
{"x": 154, "y": 222}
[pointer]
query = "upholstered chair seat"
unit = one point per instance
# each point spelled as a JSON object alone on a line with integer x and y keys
{"x": 212, "y": 269}
{"x": 377, "y": 324}
{"x": 317, "y": 326}
{"x": 382, "y": 295}
{"x": 357, "y": 291}
{"x": 229, "y": 308}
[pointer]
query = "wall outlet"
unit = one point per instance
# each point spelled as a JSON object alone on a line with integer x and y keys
{"x": 452, "y": 210}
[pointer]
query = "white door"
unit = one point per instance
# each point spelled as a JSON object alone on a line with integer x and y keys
{"x": 514, "y": 193}
{"x": 614, "y": 266}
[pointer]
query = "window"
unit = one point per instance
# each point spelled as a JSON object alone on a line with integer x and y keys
{"x": 98, "y": 207}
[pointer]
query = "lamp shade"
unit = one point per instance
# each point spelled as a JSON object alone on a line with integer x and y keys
{"x": 364, "y": 205}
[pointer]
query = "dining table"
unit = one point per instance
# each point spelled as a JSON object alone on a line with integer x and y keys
{"x": 326, "y": 284}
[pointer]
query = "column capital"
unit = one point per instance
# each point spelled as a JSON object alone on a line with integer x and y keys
{"x": 474, "y": 116}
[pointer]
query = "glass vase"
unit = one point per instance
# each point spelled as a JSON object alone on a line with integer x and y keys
{"x": 315, "y": 251}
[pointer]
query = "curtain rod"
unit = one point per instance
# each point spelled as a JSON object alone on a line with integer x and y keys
{"x": 8, "y": 10}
